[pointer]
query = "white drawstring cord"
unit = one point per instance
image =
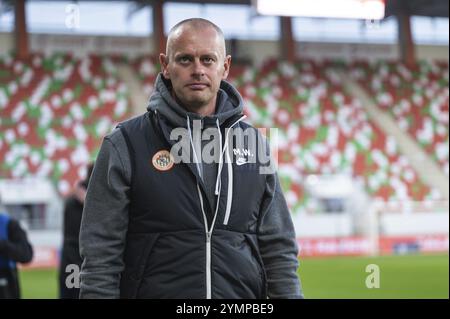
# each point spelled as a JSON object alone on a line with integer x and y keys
{"x": 218, "y": 179}
{"x": 218, "y": 187}
{"x": 197, "y": 163}
{"x": 230, "y": 172}
{"x": 226, "y": 144}
{"x": 230, "y": 189}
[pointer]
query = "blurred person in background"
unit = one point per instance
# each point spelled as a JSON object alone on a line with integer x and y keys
{"x": 70, "y": 255}
{"x": 14, "y": 248}
{"x": 153, "y": 228}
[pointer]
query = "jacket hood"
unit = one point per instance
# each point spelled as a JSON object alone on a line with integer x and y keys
{"x": 229, "y": 103}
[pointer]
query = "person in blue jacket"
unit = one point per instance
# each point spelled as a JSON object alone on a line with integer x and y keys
{"x": 14, "y": 248}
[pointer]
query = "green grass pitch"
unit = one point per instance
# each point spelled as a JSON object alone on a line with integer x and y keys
{"x": 410, "y": 276}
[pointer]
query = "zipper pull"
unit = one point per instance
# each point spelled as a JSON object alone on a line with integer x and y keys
{"x": 208, "y": 237}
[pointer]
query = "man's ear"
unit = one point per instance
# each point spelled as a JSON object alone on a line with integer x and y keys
{"x": 164, "y": 60}
{"x": 226, "y": 67}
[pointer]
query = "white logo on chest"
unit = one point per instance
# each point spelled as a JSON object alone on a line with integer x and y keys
{"x": 242, "y": 155}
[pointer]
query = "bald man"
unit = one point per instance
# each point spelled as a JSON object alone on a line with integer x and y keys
{"x": 180, "y": 203}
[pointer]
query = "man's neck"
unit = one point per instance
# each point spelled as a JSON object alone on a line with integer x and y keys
{"x": 205, "y": 110}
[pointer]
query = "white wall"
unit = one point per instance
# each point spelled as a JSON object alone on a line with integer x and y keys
{"x": 346, "y": 51}
{"x": 256, "y": 50}
{"x": 414, "y": 224}
{"x": 81, "y": 45}
{"x": 395, "y": 224}
{"x": 323, "y": 225}
{"x": 45, "y": 238}
{"x": 428, "y": 52}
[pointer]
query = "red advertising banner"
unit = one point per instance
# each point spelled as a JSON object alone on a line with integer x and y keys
{"x": 360, "y": 246}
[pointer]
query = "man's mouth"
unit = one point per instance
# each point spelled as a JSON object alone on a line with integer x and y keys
{"x": 197, "y": 86}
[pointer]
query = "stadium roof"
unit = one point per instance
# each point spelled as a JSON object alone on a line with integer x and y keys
{"x": 428, "y": 8}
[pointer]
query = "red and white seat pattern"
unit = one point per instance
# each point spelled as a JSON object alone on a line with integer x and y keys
{"x": 323, "y": 130}
{"x": 416, "y": 96}
{"x": 54, "y": 112}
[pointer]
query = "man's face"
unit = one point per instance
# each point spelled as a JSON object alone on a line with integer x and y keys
{"x": 195, "y": 64}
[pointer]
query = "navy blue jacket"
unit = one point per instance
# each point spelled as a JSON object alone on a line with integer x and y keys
{"x": 14, "y": 247}
{"x": 153, "y": 227}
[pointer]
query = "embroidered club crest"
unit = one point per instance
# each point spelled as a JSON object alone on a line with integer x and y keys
{"x": 162, "y": 160}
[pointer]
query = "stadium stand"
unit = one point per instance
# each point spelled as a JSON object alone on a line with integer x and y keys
{"x": 49, "y": 103}
{"x": 54, "y": 112}
{"x": 416, "y": 96}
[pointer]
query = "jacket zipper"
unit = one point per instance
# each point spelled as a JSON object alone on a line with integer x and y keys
{"x": 208, "y": 265}
{"x": 209, "y": 232}
{"x": 208, "y": 245}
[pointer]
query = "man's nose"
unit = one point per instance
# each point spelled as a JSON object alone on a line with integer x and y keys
{"x": 198, "y": 68}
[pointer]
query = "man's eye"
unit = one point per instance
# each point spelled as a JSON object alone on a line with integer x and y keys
{"x": 184, "y": 59}
{"x": 208, "y": 60}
